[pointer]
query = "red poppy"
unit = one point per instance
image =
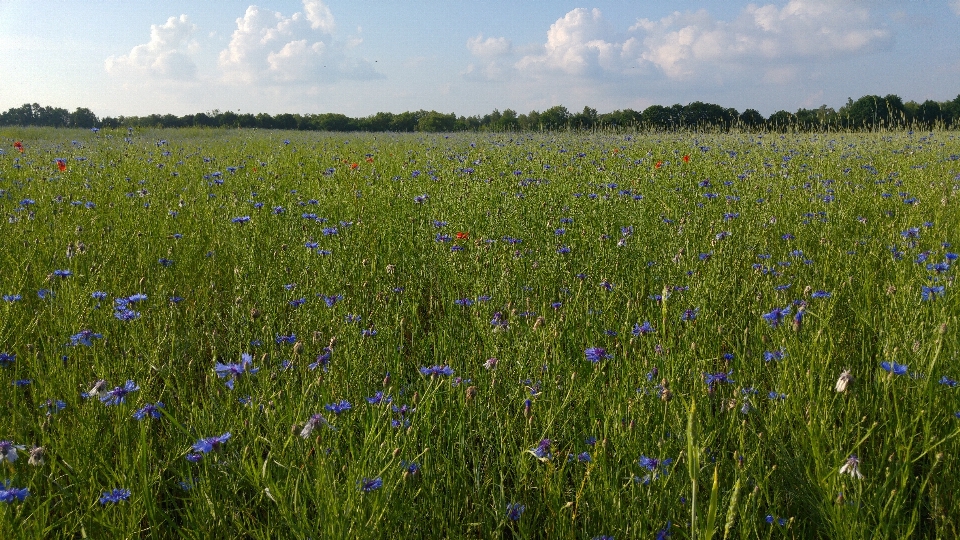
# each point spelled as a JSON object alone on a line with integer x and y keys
{"x": 659, "y": 164}
{"x": 354, "y": 166}
{"x": 62, "y": 164}
{"x": 369, "y": 160}
{"x": 462, "y": 235}
{"x": 686, "y": 159}
{"x": 19, "y": 146}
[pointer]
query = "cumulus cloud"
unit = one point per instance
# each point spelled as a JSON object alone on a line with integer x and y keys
{"x": 492, "y": 54}
{"x": 165, "y": 56}
{"x": 269, "y": 47}
{"x": 695, "y": 44}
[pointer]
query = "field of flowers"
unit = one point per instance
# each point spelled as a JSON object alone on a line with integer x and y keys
{"x": 224, "y": 334}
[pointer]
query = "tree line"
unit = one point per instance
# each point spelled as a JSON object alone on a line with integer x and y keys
{"x": 867, "y": 113}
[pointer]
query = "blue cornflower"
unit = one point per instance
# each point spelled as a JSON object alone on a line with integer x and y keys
{"x": 912, "y": 232}
{"x": 774, "y": 355}
{"x": 330, "y": 231}
{"x": 45, "y": 293}
{"x": 289, "y": 340}
{"x": 514, "y": 511}
{"x": 20, "y": 383}
{"x": 420, "y": 199}
{"x": 930, "y": 293}
{"x": 463, "y": 302}
{"x": 563, "y": 250}
{"x": 410, "y": 467}
{"x": 689, "y": 314}
{"x": 338, "y": 407}
{"x": 7, "y": 359}
{"x": 323, "y": 359}
{"x": 663, "y": 533}
{"x": 115, "y": 496}
{"x": 210, "y": 444}
{"x": 893, "y": 367}
{"x": 775, "y": 317}
{"x": 542, "y": 449}
{"x": 235, "y": 370}
{"x": 240, "y": 219}
{"x": 8, "y": 451}
{"x": 12, "y": 297}
{"x": 947, "y": 381}
{"x": 9, "y": 494}
{"x": 821, "y": 294}
{"x": 331, "y": 300}
{"x": 297, "y": 302}
{"x": 367, "y": 485}
{"x": 596, "y": 354}
{"x": 712, "y": 379}
{"x": 62, "y": 273}
{"x": 378, "y": 398}
{"x": 149, "y": 410}
{"x": 118, "y": 394}
{"x": 84, "y": 337}
{"x": 775, "y": 396}
{"x": 436, "y": 371}
{"x": 98, "y": 295}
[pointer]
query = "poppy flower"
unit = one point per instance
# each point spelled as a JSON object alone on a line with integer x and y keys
{"x": 19, "y": 146}
{"x": 659, "y": 164}
{"x": 369, "y": 160}
{"x": 462, "y": 235}
{"x": 354, "y": 166}
{"x": 686, "y": 159}
{"x": 61, "y": 164}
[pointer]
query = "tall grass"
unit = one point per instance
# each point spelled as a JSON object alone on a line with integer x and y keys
{"x": 544, "y": 428}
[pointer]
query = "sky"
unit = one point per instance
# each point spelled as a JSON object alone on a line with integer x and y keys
{"x": 359, "y": 57}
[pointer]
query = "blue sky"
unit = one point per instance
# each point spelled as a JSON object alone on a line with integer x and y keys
{"x": 360, "y": 57}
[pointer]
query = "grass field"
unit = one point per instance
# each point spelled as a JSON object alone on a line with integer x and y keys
{"x": 479, "y": 335}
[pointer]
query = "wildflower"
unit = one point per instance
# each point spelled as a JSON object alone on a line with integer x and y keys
{"x": 61, "y": 164}
{"x": 436, "y": 371}
{"x": 514, "y": 510}
{"x": 821, "y": 294}
{"x": 852, "y": 467}
{"x": 7, "y": 359}
{"x": 542, "y": 450}
{"x": 774, "y": 355}
{"x": 929, "y": 293}
{"x": 844, "y": 381}
{"x": 947, "y": 381}
{"x": 370, "y": 484}
{"x": 36, "y": 456}
{"x": 596, "y": 354}
{"x": 643, "y": 329}
{"x": 312, "y": 424}
{"x": 12, "y": 297}
{"x": 289, "y": 340}
{"x": 8, "y": 494}
{"x": 119, "y": 393}
{"x": 894, "y": 368}
{"x": 84, "y": 337}
{"x": 712, "y": 379}
{"x": 114, "y": 496}
{"x": 210, "y": 444}
{"x": 490, "y": 363}
{"x": 149, "y": 410}
{"x": 240, "y": 219}
{"x": 410, "y": 467}
{"x": 323, "y": 359}
{"x": 689, "y": 315}
{"x": 775, "y": 317}
{"x": 235, "y": 370}
{"x": 8, "y": 451}
{"x": 19, "y": 146}
{"x": 95, "y": 390}
{"x": 338, "y": 407}
{"x": 663, "y": 533}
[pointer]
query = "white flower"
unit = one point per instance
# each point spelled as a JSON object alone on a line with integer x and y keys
{"x": 36, "y": 456}
{"x": 8, "y": 451}
{"x": 844, "y": 381}
{"x": 852, "y": 467}
{"x": 311, "y": 424}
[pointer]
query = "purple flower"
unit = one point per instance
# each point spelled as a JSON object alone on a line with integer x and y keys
{"x": 149, "y": 410}
{"x": 596, "y": 354}
{"x": 115, "y": 496}
{"x": 338, "y": 407}
{"x": 436, "y": 371}
{"x": 514, "y": 511}
{"x": 370, "y": 484}
{"x": 644, "y": 329}
{"x": 118, "y": 395}
{"x": 235, "y": 370}
{"x": 210, "y": 444}
{"x": 775, "y": 317}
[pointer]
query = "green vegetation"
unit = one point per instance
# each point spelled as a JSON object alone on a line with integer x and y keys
{"x": 869, "y": 113}
{"x": 479, "y": 335}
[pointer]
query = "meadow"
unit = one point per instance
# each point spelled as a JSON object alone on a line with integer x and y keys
{"x": 267, "y": 334}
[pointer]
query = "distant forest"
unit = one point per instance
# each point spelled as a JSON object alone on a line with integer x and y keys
{"x": 866, "y": 113}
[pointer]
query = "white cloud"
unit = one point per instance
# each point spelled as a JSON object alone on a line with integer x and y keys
{"x": 694, "y": 45}
{"x": 165, "y": 56}
{"x": 493, "y": 55}
{"x": 319, "y": 16}
{"x": 270, "y": 48}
